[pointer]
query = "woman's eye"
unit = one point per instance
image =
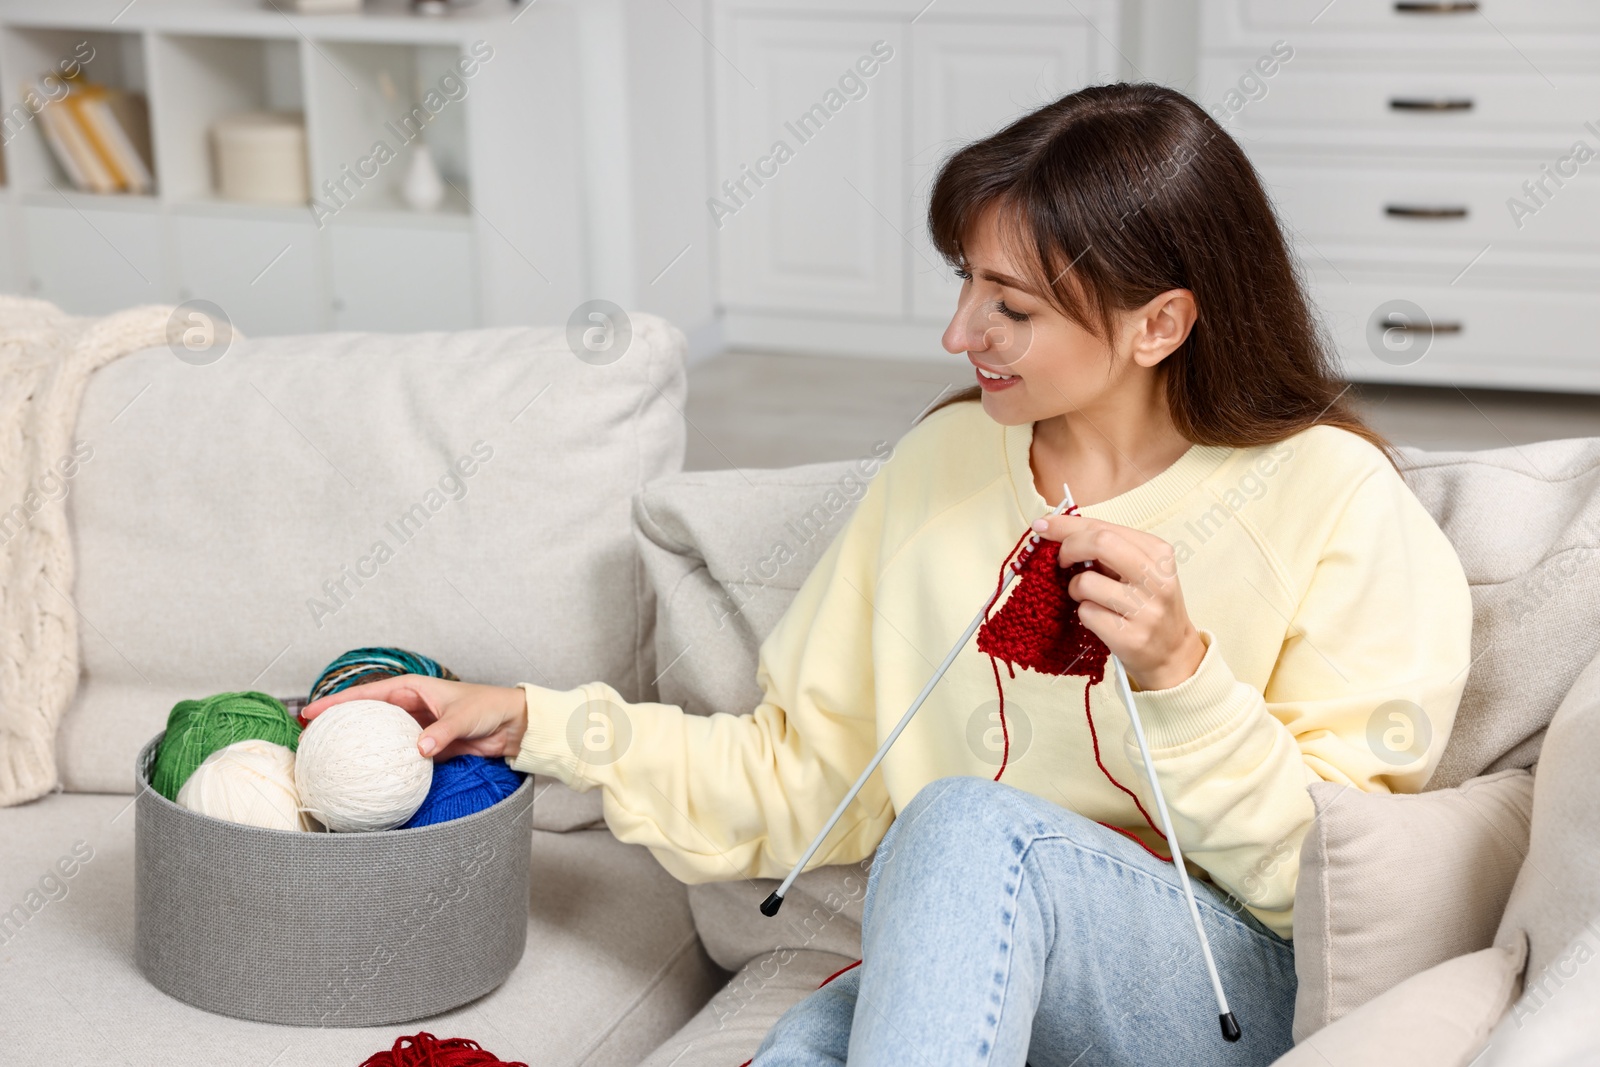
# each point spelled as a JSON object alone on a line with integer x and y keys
{"x": 1014, "y": 316}
{"x": 964, "y": 274}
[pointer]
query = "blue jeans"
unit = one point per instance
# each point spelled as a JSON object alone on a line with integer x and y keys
{"x": 1000, "y": 928}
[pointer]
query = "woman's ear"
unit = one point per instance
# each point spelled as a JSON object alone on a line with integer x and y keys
{"x": 1161, "y": 326}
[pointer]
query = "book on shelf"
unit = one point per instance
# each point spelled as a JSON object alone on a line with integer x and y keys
{"x": 100, "y": 135}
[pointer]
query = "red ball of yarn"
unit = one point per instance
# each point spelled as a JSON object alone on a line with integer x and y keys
{"x": 425, "y": 1050}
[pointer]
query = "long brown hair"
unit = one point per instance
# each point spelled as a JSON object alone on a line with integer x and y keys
{"x": 1117, "y": 193}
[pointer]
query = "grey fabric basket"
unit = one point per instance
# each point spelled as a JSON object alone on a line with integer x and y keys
{"x": 318, "y": 929}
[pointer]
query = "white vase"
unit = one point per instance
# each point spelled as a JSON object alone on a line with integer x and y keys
{"x": 423, "y": 188}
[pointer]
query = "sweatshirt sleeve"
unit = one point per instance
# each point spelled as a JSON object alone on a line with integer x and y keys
{"x": 719, "y": 797}
{"x": 1364, "y": 693}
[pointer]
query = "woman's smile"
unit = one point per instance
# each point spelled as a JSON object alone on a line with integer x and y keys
{"x": 992, "y": 380}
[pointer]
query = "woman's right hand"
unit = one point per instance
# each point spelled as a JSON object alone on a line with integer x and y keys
{"x": 458, "y": 718}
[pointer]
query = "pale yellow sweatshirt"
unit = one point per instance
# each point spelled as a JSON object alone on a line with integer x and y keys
{"x": 1335, "y": 614}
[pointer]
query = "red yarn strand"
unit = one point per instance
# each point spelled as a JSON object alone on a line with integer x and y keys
{"x": 1094, "y": 739}
{"x": 837, "y": 973}
{"x": 1005, "y": 731}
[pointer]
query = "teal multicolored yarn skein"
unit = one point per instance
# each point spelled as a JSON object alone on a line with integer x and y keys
{"x": 197, "y": 728}
{"x": 371, "y": 664}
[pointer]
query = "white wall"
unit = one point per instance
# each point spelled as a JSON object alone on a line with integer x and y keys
{"x": 1161, "y": 39}
{"x": 646, "y": 153}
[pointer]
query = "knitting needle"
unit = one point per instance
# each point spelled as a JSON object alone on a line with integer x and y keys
{"x": 1230, "y": 1025}
{"x": 771, "y": 905}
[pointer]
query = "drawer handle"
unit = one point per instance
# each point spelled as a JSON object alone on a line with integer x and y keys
{"x": 1408, "y": 211}
{"x": 1440, "y": 7}
{"x": 1394, "y": 322}
{"x": 1413, "y": 103}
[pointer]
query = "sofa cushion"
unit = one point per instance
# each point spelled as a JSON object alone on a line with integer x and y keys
{"x": 463, "y": 494}
{"x": 1556, "y": 899}
{"x": 729, "y": 1029}
{"x": 1391, "y": 885}
{"x": 1437, "y": 1018}
{"x": 726, "y": 551}
{"x": 612, "y": 967}
{"x": 1524, "y": 521}
{"x": 559, "y": 808}
{"x": 820, "y": 913}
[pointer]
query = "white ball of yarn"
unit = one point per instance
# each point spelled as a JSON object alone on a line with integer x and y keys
{"x": 358, "y": 767}
{"x": 249, "y": 782}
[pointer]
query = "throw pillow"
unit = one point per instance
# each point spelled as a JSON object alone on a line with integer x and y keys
{"x": 1392, "y": 884}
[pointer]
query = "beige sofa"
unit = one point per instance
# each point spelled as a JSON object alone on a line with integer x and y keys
{"x": 225, "y": 527}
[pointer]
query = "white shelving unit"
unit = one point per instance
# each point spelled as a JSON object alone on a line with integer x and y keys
{"x": 505, "y": 247}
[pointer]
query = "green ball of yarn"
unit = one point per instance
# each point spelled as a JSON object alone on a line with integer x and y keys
{"x": 197, "y": 728}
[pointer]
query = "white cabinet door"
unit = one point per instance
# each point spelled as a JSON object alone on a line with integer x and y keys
{"x": 262, "y": 273}
{"x": 971, "y": 79}
{"x": 90, "y": 261}
{"x": 401, "y": 278}
{"x": 820, "y": 226}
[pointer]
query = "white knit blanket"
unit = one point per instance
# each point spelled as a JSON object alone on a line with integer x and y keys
{"x": 46, "y": 357}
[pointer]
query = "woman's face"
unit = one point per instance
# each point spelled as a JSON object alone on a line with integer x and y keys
{"x": 1032, "y": 361}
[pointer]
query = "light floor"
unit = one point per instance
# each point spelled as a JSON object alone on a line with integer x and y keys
{"x": 756, "y": 409}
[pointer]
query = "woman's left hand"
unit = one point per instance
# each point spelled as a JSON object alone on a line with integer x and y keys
{"x": 1131, "y": 599}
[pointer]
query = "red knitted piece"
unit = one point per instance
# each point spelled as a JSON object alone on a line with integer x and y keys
{"x": 1038, "y": 627}
{"x": 425, "y": 1050}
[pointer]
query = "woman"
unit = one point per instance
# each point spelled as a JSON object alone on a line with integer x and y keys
{"x": 1285, "y": 609}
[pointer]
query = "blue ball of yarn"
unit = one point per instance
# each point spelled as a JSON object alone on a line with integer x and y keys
{"x": 464, "y": 785}
{"x": 371, "y": 664}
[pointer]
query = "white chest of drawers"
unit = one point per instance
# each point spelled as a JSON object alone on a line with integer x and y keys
{"x": 1438, "y": 166}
